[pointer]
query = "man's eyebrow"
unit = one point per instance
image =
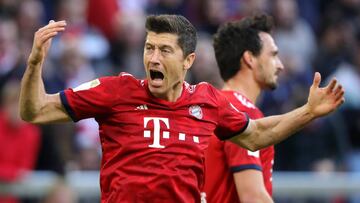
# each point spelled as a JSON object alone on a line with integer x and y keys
{"x": 162, "y": 46}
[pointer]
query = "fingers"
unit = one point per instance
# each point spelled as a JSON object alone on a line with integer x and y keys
{"x": 330, "y": 87}
{"x": 340, "y": 96}
{"x": 52, "y": 27}
{"x": 49, "y": 31}
{"x": 338, "y": 89}
{"x": 48, "y": 36}
{"x": 339, "y": 93}
{"x": 317, "y": 80}
{"x": 54, "y": 24}
{"x": 340, "y": 101}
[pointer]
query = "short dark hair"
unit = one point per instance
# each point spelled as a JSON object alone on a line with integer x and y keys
{"x": 174, "y": 24}
{"x": 234, "y": 38}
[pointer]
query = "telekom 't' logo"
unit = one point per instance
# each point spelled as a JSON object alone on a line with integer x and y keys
{"x": 147, "y": 133}
{"x": 165, "y": 134}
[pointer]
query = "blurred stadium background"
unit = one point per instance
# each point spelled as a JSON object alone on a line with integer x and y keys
{"x": 60, "y": 163}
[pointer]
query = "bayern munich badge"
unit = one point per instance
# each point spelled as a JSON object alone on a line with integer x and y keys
{"x": 196, "y": 111}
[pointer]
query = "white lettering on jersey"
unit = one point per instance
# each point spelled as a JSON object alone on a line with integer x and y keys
{"x": 244, "y": 101}
{"x": 165, "y": 135}
{"x": 203, "y": 197}
{"x": 255, "y": 154}
{"x": 196, "y": 139}
{"x": 87, "y": 85}
{"x": 181, "y": 136}
{"x": 141, "y": 107}
{"x": 147, "y": 133}
{"x": 271, "y": 170}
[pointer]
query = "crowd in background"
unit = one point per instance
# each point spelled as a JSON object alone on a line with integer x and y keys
{"x": 106, "y": 38}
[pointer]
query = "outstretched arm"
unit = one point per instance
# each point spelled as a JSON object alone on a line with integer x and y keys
{"x": 273, "y": 129}
{"x": 35, "y": 105}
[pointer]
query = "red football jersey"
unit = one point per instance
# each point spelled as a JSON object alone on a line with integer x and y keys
{"x": 224, "y": 158}
{"x": 153, "y": 150}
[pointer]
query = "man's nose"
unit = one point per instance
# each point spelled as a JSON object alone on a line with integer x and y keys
{"x": 280, "y": 65}
{"x": 155, "y": 57}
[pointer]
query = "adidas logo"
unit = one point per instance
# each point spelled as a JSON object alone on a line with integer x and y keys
{"x": 141, "y": 107}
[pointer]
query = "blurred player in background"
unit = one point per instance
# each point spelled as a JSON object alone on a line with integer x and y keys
{"x": 248, "y": 60}
{"x": 19, "y": 141}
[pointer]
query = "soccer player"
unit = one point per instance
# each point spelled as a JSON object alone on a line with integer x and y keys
{"x": 247, "y": 57}
{"x": 154, "y": 131}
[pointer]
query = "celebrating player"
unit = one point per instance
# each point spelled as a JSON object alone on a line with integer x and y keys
{"x": 154, "y": 131}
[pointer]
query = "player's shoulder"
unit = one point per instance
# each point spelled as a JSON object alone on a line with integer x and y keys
{"x": 125, "y": 79}
{"x": 124, "y": 76}
{"x": 240, "y": 100}
{"x": 112, "y": 84}
{"x": 206, "y": 85}
{"x": 203, "y": 88}
{"x": 203, "y": 92}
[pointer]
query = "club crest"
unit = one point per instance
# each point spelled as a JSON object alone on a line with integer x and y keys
{"x": 196, "y": 111}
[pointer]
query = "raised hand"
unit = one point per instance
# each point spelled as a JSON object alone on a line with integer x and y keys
{"x": 42, "y": 41}
{"x": 322, "y": 101}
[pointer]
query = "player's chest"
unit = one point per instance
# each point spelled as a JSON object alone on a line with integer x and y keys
{"x": 161, "y": 127}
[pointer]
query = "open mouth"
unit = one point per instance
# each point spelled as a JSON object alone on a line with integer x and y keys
{"x": 156, "y": 75}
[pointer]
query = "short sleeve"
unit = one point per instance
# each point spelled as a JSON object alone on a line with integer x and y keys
{"x": 240, "y": 159}
{"x": 91, "y": 99}
{"x": 231, "y": 121}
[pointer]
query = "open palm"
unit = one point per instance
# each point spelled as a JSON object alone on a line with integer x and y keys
{"x": 322, "y": 101}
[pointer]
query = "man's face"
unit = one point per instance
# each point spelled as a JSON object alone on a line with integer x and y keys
{"x": 164, "y": 63}
{"x": 268, "y": 63}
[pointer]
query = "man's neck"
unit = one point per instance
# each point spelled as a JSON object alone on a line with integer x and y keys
{"x": 245, "y": 84}
{"x": 173, "y": 95}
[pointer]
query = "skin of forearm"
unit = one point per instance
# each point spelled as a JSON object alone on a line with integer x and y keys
{"x": 254, "y": 193}
{"x": 250, "y": 187}
{"x": 252, "y": 198}
{"x": 273, "y": 129}
{"x": 32, "y": 93}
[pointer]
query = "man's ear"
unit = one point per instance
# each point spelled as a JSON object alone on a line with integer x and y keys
{"x": 248, "y": 59}
{"x": 189, "y": 60}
